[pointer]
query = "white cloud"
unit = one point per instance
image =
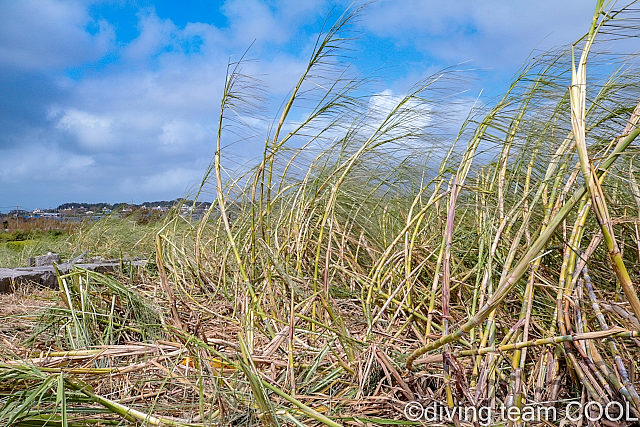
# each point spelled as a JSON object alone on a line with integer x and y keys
{"x": 43, "y": 165}
{"x": 77, "y": 163}
{"x": 409, "y": 116}
{"x": 155, "y": 34}
{"x": 39, "y": 34}
{"x": 179, "y": 134}
{"x": 92, "y": 131}
{"x": 492, "y": 34}
{"x": 170, "y": 181}
{"x": 251, "y": 20}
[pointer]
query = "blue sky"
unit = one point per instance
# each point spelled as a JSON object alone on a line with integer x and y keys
{"x": 118, "y": 100}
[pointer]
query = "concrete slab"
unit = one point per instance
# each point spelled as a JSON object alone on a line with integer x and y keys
{"x": 11, "y": 278}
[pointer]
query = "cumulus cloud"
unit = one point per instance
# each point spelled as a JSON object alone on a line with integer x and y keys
{"x": 41, "y": 165}
{"x": 86, "y": 116}
{"x": 383, "y": 103}
{"x": 155, "y": 35}
{"x": 180, "y": 134}
{"x": 140, "y": 124}
{"x": 171, "y": 181}
{"x": 92, "y": 132}
{"x": 50, "y": 33}
{"x": 271, "y": 22}
{"x": 496, "y": 33}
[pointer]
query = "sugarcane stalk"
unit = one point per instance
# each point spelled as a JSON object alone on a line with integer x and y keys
{"x": 578, "y": 96}
{"x": 615, "y": 332}
{"x": 622, "y": 371}
{"x": 518, "y": 271}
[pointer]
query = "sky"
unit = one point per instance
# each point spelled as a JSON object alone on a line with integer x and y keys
{"x": 118, "y": 101}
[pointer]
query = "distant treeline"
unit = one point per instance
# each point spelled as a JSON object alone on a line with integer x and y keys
{"x": 96, "y": 207}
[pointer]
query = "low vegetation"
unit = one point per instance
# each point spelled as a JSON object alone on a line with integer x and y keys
{"x": 30, "y": 237}
{"x": 370, "y": 259}
{"x": 110, "y": 237}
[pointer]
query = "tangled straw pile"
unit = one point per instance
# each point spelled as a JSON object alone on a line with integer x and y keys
{"x": 368, "y": 261}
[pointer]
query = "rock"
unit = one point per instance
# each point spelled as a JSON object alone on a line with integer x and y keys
{"x": 47, "y": 259}
{"x": 43, "y": 260}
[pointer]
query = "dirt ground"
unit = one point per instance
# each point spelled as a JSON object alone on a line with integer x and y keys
{"x": 19, "y": 313}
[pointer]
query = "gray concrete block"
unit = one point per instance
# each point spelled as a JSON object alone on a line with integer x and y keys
{"x": 11, "y": 278}
{"x": 47, "y": 259}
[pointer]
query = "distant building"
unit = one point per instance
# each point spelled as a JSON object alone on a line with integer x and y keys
{"x": 18, "y": 213}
